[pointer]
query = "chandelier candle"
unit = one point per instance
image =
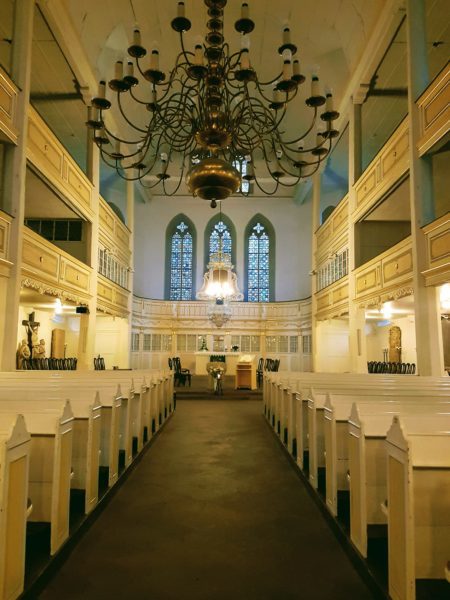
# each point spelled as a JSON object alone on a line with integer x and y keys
{"x": 211, "y": 115}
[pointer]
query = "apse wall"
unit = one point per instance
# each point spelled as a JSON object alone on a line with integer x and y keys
{"x": 292, "y": 224}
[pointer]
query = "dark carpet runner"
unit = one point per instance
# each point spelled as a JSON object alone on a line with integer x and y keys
{"x": 213, "y": 511}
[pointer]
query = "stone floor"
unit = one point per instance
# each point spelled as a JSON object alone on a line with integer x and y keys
{"x": 214, "y": 510}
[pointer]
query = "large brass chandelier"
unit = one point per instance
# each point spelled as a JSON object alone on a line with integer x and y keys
{"x": 210, "y": 121}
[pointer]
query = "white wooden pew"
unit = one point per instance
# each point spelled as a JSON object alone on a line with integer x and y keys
{"x": 418, "y": 499}
{"x": 14, "y": 465}
{"x": 316, "y": 406}
{"x": 86, "y": 430}
{"x": 83, "y": 396}
{"x": 367, "y": 429}
{"x": 337, "y": 411}
{"x": 50, "y": 468}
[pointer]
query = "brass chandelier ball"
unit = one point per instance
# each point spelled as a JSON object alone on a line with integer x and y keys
{"x": 213, "y": 179}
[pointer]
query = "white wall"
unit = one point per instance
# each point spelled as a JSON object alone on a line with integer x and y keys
{"x": 111, "y": 341}
{"x": 332, "y": 352}
{"x": 292, "y": 224}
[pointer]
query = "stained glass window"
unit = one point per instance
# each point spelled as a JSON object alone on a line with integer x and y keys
{"x": 258, "y": 265}
{"x": 181, "y": 263}
{"x": 220, "y": 232}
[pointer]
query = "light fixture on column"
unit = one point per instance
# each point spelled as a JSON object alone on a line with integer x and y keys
{"x": 210, "y": 120}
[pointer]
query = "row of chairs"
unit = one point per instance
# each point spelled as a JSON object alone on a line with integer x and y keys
{"x": 99, "y": 363}
{"x": 374, "y": 366}
{"x": 49, "y": 364}
{"x": 180, "y": 375}
{"x": 270, "y": 364}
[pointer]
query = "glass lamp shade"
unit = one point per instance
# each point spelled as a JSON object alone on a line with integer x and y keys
{"x": 219, "y": 282}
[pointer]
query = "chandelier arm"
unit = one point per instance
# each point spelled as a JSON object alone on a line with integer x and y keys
{"x": 185, "y": 52}
{"x": 122, "y": 112}
{"x": 135, "y": 98}
{"x": 115, "y": 137}
{"x": 304, "y": 135}
{"x": 267, "y": 193}
{"x": 272, "y": 81}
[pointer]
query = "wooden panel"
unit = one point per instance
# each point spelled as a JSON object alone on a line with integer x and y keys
{"x": 121, "y": 299}
{"x": 341, "y": 216}
{"x": 74, "y": 275}
{"x": 323, "y": 234}
{"x": 5, "y": 221}
{"x": 367, "y": 281}
{"x": 106, "y": 218}
{"x": 397, "y": 266}
{"x": 8, "y": 101}
{"x": 45, "y": 154}
{"x": 366, "y": 186}
{"x": 40, "y": 259}
{"x": 434, "y": 111}
{"x": 340, "y": 294}
{"x": 323, "y": 301}
{"x": 438, "y": 251}
{"x": 394, "y": 159}
{"x": 440, "y": 246}
{"x": 104, "y": 291}
{"x": 122, "y": 234}
{"x": 78, "y": 186}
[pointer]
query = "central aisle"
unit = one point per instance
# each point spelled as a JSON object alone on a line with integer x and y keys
{"x": 213, "y": 511}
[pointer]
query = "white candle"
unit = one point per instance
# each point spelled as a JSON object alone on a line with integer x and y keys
{"x": 287, "y": 70}
{"x": 244, "y": 11}
{"x": 286, "y": 36}
{"x": 319, "y": 139}
{"x": 130, "y": 69}
{"x": 136, "y": 37}
{"x": 118, "y": 72}
{"x": 277, "y": 96}
{"x": 180, "y": 9}
{"x": 329, "y": 103}
{"x": 315, "y": 86}
{"x": 101, "y": 89}
{"x": 154, "y": 61}
{"x": 296, "y": 67}
{"x": 245, "y": 59}
{"x": 198, "y": 58}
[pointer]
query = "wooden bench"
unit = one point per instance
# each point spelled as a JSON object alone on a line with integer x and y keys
{"x": 367, "y": 429}
{"x": 14, "y": 465}
{"x": 316, "y": 408}
{"x": 337, "y": 411}
{"x": 418, "y": 500}
{"x": 50, "y": 468}
{"x": 86, "y": 431}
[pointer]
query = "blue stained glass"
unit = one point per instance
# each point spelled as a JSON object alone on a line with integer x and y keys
{"x": 258, "y": 265}
{"x": 181, "y": 264}
{"x": 220, "y": 233}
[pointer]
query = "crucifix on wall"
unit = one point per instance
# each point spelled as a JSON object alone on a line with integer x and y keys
{"x": 31, "y": 327}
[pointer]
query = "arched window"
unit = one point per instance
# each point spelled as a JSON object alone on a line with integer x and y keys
{"x": 220, "y": 229}
{"x": 180, "y": 244}
{"x": 259, "y": 258}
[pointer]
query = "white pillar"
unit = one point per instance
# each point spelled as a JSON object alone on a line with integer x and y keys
{"x": 88, "y": 321}
{"x": 15, "y": 172}
{"x": 130, "y": 224}
{"x": 315, "y": 227}
{"x": 356, "y": 317}
{"x": 430, "y": 359}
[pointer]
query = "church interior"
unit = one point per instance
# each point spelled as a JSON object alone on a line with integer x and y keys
{"x": 225, "y": 299}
